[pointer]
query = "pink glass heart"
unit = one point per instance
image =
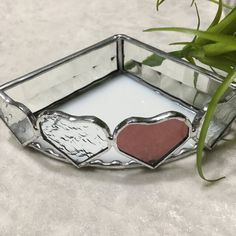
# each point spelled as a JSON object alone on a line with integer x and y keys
{"x": 151, "y": 143}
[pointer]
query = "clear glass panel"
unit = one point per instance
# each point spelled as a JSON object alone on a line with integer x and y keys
{"x": 176, "y": 79}
{"x": 65, "y": 79}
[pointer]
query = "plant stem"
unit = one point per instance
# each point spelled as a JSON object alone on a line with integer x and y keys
{"x": 208, "y": 117}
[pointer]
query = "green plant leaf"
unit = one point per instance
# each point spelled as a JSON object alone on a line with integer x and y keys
{"x": 213, "y": 23}
{"x": 196, "y": 52}
{"x": 158, "y": 3}
{"x": 176, "y": 53}
{"x": 222, "y": 38}
{"x": 193, "y": 1}
{"x": 226, "y": 25}
{"x": 208, "y": 117}
{"x": 218, "y": 14}
{"x": 155, "y": 60}
{"x": 130, "y": 64}
{"x": 198, "y": 17}
{"x": 219, "y": 63}
{"x": 180, "y": 43}
{"x": 214, "y": 49}
{"x": 224, "y": 4}
{"x": 230, "y": 56}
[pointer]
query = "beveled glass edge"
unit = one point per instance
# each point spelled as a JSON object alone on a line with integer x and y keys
{"x": 115, "y": 38}
{"x": 166, "y": 55}
{"x": 57, "y": 63}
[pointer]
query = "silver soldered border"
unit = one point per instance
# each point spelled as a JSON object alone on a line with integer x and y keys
{"x": 119, "y": 39}
{"x": 153, "y": 120}
{"x": 89, "y": 119}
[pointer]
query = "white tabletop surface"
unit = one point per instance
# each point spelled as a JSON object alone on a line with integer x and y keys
{"x": 40, "y": 196}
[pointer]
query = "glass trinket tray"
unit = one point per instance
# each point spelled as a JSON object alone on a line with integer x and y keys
{"x": 117, "y": 104}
